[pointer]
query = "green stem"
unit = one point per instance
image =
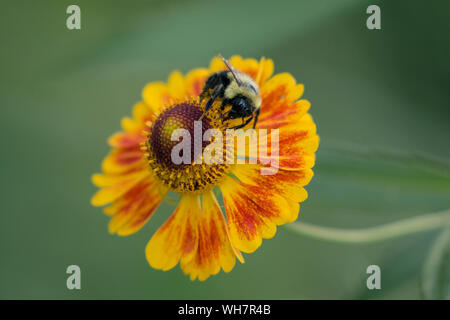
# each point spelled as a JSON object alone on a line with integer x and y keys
{"x": 373, "y": 234}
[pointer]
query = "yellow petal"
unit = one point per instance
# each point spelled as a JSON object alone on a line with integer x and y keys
{"x": 252, "y": 213}
{"x": 267, "y": 70}
{"x": 289, "y": 184}
{"x": 156, "y": 95}
{"x": 195, "y": 80}
{"x": 177, "y": 239}
{"x": 177, "y": 86}
{"x": 142, "y": 213}
{"x": 216, "y": 65}
{"x": 142, "y": 113}
{"x": 214, "y": 249}
{"x": 119, "y": 161}
{"x": 126, "y": 140}
{"x": 111, "y": 193}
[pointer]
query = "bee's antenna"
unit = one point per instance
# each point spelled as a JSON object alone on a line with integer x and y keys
{"x": 231, "y": 68}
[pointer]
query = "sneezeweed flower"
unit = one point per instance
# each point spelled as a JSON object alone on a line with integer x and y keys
{"x": 138, "y": 173}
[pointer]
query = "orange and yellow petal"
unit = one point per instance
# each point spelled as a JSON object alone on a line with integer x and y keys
{"x": 136, "y": 207}
{"x": 214, "y": 250}
{"x": 260, "y": 71}
{"x": 125, "y": 207}
{"x": 176, "y": 240}
{"x": 122, "y": 161}
{"x": 115, "y": 187}
{"x": 195, "y": 80}
{"x": 253, "y": 213}
{"x": 141, "y": 114}
{"x": 287, "y": 183}
{"x": 177, "y": 86}
{"x": 156, "y": 95}
{"x": 280, "y": 105}
{"x": 295, "y": 148}
{"x": 126, "y": 140}
{"x": 196, "y": 237}
{"x": 300, "y": 139}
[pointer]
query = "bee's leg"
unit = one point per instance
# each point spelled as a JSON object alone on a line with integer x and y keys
{"x": 224, "y": 103}
{"x": 256, "y": 117}
{"x": 224, "y": 116}
{"x": 210, "y": 84}
{"x": 210, "y": 102}
{"x": 243, "y": 124}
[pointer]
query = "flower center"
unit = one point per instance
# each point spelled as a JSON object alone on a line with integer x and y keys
{"x": 183, "y": 177}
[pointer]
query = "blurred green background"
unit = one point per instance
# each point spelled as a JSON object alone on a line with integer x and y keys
{"x": 62, "y": 93}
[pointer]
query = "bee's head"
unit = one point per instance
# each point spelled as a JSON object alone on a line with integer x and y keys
{"x": 245, "y": 85}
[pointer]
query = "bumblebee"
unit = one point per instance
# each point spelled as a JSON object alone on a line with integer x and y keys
{"x": 235, "y": 89}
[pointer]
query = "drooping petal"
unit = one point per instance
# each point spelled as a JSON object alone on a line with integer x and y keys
{"x": 288, "y": 148}
{"x": 253, "y": 213}
{"x": 176, "y": 240}
{"x": 125, "y": 207}
{"x": 300, "y": 139}
{"x": 120, "y": 161}
{"x": 214, "y": 250}
{"x": 126, "y": 140}
{"x": 279, "y": 106}
{"x": 141, "y": 210}
{"x": 288, "y": 114}
{"x": 297, "y": 145}
{"x": 156, "y": 95}
{"x": 110, "y": 193}
{"x": 289, "y": 184}
{"x": 141, "y": 114}
{"x": 248, "y": 66}
{"x": 195, "y": 80}
{"x": 266, "y": 70}
{"x": 177, "y": 86}
{"x": 126, "y": 155}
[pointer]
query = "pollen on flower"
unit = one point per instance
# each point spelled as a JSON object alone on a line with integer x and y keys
{"x": 201, "y": 236}
{"x": 183, "y": 178}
